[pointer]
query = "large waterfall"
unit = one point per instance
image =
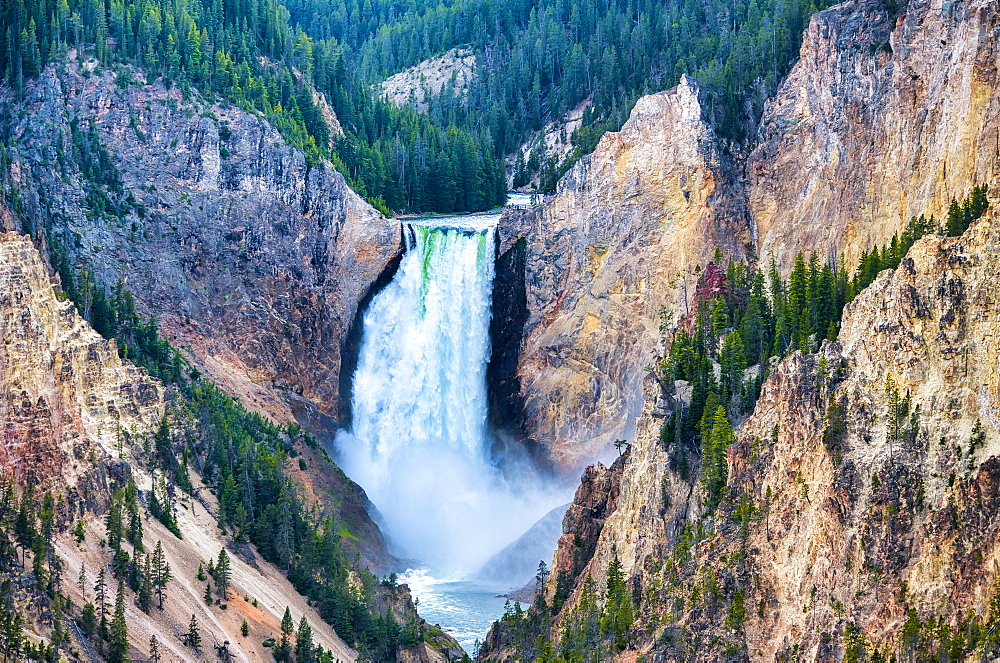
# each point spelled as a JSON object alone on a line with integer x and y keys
{"x": 419, "y": 444}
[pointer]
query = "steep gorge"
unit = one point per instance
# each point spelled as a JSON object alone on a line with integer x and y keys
{"x": 861, "y": 495}
{"x": 604, "y": 257}
{"x": 858, "y": 515}
{"x": 255, "y": 263}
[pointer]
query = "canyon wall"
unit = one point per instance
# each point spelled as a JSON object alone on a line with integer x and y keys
{"x": 66, "y": 395}
{"x": 885, "y": 116}
{"x": 75, "y": 416}
{"x": 859, "y": 510}
{"x": 606, "y": 257}
{"x": 857, "y": 515}
{"x": 252, "y": 260}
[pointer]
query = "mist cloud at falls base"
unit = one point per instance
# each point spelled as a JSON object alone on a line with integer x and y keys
{"x": 419, "y": 444}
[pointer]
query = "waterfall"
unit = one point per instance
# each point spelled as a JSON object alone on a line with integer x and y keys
{"x": 419, "y": 443}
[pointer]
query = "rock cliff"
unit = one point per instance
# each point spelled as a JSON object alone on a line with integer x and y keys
{"x": 891, "y": 110}
{"x": 886, "y": 115}
{"x": 66, "y": 394}
{"x": 605, "y": 256}
{"x": 417, "y": 84}
{"x": 252, "y": 260}
{"x": 857, "y": 512}
{"x": 861, "y": 492}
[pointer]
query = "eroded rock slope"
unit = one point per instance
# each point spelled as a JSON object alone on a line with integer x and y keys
{"x": 74, "y": 418}
{"x": 861, "y": 500}
{"x": 604, "y": 257}
{"x": 892, "y": 110}
{"x": 886, "y": 115}
{"x": 252, "y": 260}
{"x": 66, "y": 394}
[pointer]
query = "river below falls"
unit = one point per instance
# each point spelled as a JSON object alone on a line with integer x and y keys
{"x": 464, "y": 609}
{"x": 419, "y": 441}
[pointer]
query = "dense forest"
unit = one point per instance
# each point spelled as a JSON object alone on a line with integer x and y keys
{"x": 246, "y": 53}
{"x": 535, "y": 61}
{"x": 538, "y": 59}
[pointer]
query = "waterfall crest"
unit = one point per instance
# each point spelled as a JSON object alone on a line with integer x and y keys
{"x": 419, "y": 443}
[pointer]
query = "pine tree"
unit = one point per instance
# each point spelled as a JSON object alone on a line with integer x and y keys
{"x": 154, "y": 649}
{"x": 287, "y": 623}
{"x": 194, "y": 634}
{"x": 208, "y": 594}
{"x": 161, "y": 573}
{"x": 222, "y": 573}
{"x": 25, "y": 527}
{"x": 88, "y": 620}
{"x": 81, "y": 581}
{"x": 955, "y": 224}
{"x": 163, "y": 445}
{"x": 825, "y": 303}
{"x": 797, "y": 313}
{"x": 114, "y": 519}
{"x": 135, "y": 527}
{"x": 756, "y": 322}
{"x": 228, "y": 500}
{"x": 714, "y": 462}
{"x": 244, "y": 629}
{"x": 304, "y": 642}
{"x": 11, "y": 634}
{"x": 144, "y": 595}
{"x": 118, "y": 641}
{"x": 732, "y": 360}
{"x": 155, "y": 509}
{"x": 618, "y": 613}
{"x": 283, "y": 650}
{"x": 101, "y": 592}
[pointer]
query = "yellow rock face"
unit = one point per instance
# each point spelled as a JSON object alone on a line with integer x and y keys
{"x": 606, "y": 257}
{"x": 879, "y": 121}
{"x": 839, "y": 521}
{"x": 65, "y": 392}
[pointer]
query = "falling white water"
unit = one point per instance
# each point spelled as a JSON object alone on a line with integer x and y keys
{"x": 419, "y": 444}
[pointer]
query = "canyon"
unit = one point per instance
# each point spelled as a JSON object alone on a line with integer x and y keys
{"x": 846, "y": 514}
{"x": 847, "y": 524}
{"x": 856, "y": 519}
